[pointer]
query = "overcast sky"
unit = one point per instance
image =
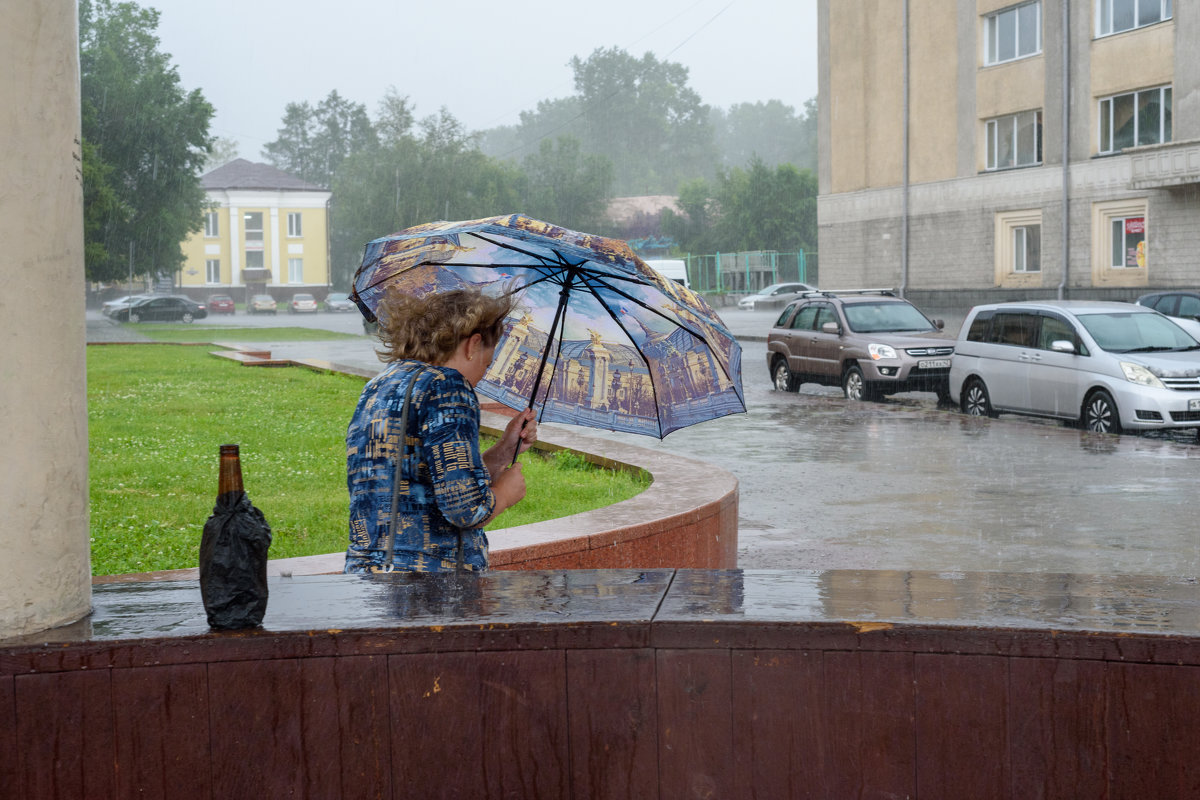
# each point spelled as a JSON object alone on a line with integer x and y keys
{"x": 484, "y": 61}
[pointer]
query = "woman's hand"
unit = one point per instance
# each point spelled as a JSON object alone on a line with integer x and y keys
{"x": 508, "y": 487}
{"x": 519, "y": 435}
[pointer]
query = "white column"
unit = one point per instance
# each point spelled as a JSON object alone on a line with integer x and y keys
{"x": 235, "y": 250}
{"x": 275, "y": 256}
{"x": 45, "y": 569}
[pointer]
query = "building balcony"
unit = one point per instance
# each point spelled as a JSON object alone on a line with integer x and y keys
{"x": 1163, "y": 166}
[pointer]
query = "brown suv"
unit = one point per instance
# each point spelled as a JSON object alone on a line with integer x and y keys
{"x": 869, "y": 342}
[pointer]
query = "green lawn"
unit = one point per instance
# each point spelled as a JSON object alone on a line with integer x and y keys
{"x": 162, "y": 332}
{"x": 158, "y": 413}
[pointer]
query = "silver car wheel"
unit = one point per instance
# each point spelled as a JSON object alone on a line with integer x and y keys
{"x": 854, "y": 386}
{"x": 1100, "y": 414}
{"x": 975, "y": 400}
{"x": 134, "y": 317}
{"x": 784, "y": 382}
{"x": 187, "y": 316}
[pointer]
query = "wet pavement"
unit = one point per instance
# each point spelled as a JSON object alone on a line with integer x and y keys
{"x": 904, "y": 485}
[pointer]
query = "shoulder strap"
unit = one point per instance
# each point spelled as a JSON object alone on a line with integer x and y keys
{"x": 391, "y": 545}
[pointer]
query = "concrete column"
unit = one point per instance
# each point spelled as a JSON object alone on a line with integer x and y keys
{"x": 45, "y": 570}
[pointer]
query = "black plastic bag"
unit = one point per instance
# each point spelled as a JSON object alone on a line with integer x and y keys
{"x": 233, "y": 563}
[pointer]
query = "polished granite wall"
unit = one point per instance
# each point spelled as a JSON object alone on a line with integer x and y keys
{"x": 618, "y": 683}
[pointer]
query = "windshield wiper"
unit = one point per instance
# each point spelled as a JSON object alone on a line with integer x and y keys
{"x": 1148, "y": 349}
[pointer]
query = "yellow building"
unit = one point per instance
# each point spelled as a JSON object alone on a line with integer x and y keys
{"x": 265, "y": 232}
{"x": 985, "y": 150}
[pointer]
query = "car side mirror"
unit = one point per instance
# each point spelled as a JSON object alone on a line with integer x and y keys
{"x": 1062, "y": 346}
{"x": 940, "y": 324}
{"x": 831, "y": 327}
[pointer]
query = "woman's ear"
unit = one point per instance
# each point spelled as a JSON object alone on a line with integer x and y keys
{"x": 474, "y": 346}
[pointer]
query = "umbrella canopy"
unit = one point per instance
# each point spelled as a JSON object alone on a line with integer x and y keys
{"x": 597, "y": 337}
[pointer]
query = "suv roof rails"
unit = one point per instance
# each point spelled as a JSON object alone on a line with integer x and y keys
{"x": 837, "y": 292}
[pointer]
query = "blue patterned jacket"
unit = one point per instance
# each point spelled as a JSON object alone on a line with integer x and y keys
{"x": 446, "y": 488}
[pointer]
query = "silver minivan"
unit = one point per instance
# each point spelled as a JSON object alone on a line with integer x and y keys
{"x": 1110, "y": 366}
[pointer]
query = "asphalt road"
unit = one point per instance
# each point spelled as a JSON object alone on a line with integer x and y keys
{"x": 904, "y": 485}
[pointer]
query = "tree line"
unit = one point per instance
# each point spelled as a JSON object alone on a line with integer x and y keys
{"x": 742, "y": 177}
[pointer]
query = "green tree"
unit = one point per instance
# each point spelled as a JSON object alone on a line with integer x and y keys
{"x": 642, "y": 115}
{"x": 419, "y": 173}
{"x": 756, "y": 208}
{"x": 145, "y": 141}
{"x": 224, "y": 150}
{"x": 312, "y": 142}
{"x": 771, "y": 131}
{"x": 567, "y": 187}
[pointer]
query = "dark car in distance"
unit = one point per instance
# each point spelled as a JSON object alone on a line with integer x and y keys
{"x": 220, "y": 304}
{"x": 162, "y": 309}
{"x": 869, "y": 342}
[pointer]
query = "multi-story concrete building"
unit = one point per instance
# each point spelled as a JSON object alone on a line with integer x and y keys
{"x": 266, "y": 231}
{"x": 988, "y": 150}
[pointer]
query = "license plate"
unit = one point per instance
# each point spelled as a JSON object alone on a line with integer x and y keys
{"x": 940, "y": 363}
{"x": 1193, "y": 405}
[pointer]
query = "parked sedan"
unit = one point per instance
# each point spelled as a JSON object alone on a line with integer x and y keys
{"x": 302, "y": 304}
{"x": 162, "y": 309}
{"x": 1108, "y": 366}
{"x": 220, "y": 304}
{"x": 261, "y": 304}
{"x": 339, "y": 301}
{"x": 774, "y": 296}
{"x": 110, "y": 307}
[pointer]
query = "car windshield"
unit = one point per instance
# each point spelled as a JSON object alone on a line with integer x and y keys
{"x": 339, "y": 296}
{"x": 772, "y": 289}
{"x": 1132, "y": 332}
{"x": 880, "y": 317}
{"x": 304, "y": 297}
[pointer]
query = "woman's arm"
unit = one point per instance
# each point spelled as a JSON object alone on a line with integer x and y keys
{"x": 521, "y": 431}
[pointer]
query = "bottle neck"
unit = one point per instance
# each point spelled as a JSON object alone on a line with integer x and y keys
{"x": 229, "y": 478}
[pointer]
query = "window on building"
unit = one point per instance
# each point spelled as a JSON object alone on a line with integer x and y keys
{"x": 254, "y": 259}
{"x": 212, "y": 270}
{"x": 1012, "y": 33}
{"x": 295, "y": 270}
{"x": 253, "y": 226}
{"x": 294, "y": 224}
{"x": 1014, "y": 140}
{"x": 1128, "y": 242}
{"x": 1120, "y": 242}
{"x": 211, "y": 226}
{"x": 1136, "y": 118}
{"x": 1027, "y": 248}
{"x": 1114, "y": 16}
{"x": 1019, "y": 248}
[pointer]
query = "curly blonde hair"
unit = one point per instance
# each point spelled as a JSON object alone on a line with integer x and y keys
{"x": 429, "y": 328}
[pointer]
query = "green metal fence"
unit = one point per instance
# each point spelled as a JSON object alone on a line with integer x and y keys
{"x": 745, "y": 272}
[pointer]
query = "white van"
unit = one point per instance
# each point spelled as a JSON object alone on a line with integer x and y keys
{"x": 673, "y": 268}
{"x": 1110, "y": 366}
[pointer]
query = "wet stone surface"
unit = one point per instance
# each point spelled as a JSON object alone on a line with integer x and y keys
{"x": 904, "y": 485}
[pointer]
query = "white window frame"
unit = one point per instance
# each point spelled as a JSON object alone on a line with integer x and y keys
{"x": 212, "y": 270}
{"x": 1105, "y": 117}
{"x": 992, "y": 140}
{"x": 1123, "y": 223}
{"x": 992, "y": 30}
{"x": 253, "y": 234}
{"x": 295, "y": 270}
{"x": 1011, "y": 246}
{"x": 1104, "y": 15}
{"x": 1104, "y": 214}
{"x": 212, "y": 225}
{"x": 1021, "y": 251}
{"x": 294, "y": 223}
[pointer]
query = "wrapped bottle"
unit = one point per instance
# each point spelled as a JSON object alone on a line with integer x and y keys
{"x": 233, "y": 552}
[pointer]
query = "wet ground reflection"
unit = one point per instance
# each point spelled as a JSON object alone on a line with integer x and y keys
{"x": 826, "y": 484}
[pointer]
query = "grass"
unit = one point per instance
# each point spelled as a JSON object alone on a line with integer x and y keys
{"x": 188, "y": 334}
{"x": 158, "y": 413}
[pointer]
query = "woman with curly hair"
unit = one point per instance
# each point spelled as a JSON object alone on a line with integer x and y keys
{"x": 419, "y": 497}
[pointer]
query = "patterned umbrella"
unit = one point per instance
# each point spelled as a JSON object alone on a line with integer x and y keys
{"x": 597, "y": 337}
